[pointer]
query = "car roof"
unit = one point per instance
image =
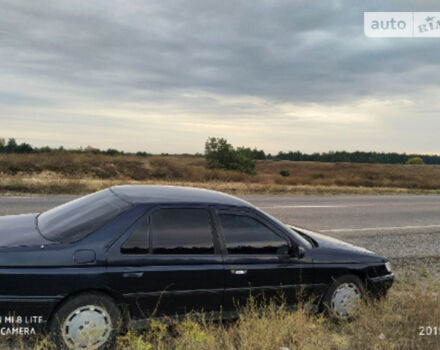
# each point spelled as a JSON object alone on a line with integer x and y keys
{"x": 138, "y": 194}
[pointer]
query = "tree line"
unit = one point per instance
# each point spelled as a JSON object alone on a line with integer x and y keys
{"x": 356, "y": 157}
{"x": 331, "y": 156}
{"x": 236, "y": 157}
{"x": 11, "y": 146}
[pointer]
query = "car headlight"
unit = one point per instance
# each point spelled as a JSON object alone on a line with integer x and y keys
{"x": 388, "y": 266}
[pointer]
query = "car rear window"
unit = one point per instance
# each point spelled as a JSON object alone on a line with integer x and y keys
{"x": 77, "y": 219}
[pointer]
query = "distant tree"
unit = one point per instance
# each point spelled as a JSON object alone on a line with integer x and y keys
{"x": 24, "y": 148}
{"x": 90, "y": 149}
{"x": 219, "y": 154}
{"x": 142, "y": 154}
{"x": 284, "y": 173}
{"x": 252, "y": 153}
{"x": 246, "y": 152}
{"x": 45, "y": 149}
{"x": 415, "y": 161}
{"x": 2, "y": 142}
{"x": 243, "y": 164}
{"x": 112, "y": 152}
{"x": 11, "y": 146}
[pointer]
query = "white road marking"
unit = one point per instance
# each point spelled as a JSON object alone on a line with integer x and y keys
{"x": 316, "y": 206}
{"x": 379, "y": 228}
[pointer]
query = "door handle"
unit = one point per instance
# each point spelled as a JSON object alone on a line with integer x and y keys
{"x": 132, "y": 274}
{"x": 239, "y": 272}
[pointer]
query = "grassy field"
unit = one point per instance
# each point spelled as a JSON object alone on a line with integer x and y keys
{"x": 83, "y": 173}
{"x": 392, "y": 323}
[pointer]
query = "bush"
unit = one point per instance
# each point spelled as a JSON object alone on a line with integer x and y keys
{"x": 415, "y": 161}
{"x": 222, "y": 155}
{"x": 284, "y": 173}
{"x": 112, "y": 152}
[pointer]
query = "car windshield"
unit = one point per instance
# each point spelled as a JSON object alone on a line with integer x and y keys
{"x": 75, "y": 220}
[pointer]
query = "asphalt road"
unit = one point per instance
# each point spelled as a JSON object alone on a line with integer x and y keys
{"x": 399, "y": 227}
{"x": 396, "y": 226}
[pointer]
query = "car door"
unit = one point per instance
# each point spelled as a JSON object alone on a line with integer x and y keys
{"x": 169, "y": 264}
{"x": 257, "y": 260}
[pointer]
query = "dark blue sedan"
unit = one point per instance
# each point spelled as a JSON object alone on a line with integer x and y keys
{"x": 94, "y": 266}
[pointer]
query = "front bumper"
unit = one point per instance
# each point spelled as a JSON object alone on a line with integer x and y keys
{"x": 379, "y": 286}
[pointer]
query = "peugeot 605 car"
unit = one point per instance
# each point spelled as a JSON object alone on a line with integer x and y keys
{"x": 92, "y": 267}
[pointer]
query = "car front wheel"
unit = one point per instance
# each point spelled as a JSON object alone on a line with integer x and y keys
{"x": 343, "y": 297}
{"x": 87, "y": 321}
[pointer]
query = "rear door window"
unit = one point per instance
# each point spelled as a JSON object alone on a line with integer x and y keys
{"x": 172, "y": 231}
{"x": 182, "y": 231}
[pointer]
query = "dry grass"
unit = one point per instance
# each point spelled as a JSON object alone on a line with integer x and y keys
{"x": 83, "y": 173}
{"x": 392, "y": 323}
{"x": 351, "y": 174}
{"x": 49, "y": 183}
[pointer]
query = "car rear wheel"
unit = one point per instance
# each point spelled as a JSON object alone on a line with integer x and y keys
{"x": 87, "y": 321}
{"x": 342, "y": 299}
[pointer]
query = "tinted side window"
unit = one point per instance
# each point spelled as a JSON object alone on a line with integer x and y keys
{"x": 137, "y": 242}
{"x": 181, "y": 231}
{"x": 245, "y": 235}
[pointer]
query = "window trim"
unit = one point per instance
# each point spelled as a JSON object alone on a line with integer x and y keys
{"x": 143, "y": 220}
{"x": 254, "y": 215}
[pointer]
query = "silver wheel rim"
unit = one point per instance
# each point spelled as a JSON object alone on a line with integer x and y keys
{"x": 87, "y": 327}
{"x": 345, "y": 300}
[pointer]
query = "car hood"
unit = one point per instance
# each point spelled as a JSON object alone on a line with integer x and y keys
{"x": 20, "y": 231}
{"x": 331, "y": 250}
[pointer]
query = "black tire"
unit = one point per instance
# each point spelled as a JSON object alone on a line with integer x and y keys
{"x": 328, "y": 304}
{"x": 96, "y": 307}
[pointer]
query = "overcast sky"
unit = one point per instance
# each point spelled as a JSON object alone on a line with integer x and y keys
{"x": 162, "y": 76}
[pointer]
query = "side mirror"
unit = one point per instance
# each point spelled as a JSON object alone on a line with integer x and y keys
{"x": 297, "y": 252}
{"x": 300, "y": 252}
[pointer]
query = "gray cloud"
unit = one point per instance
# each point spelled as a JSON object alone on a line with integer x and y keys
{"x": 208, "y": 63}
